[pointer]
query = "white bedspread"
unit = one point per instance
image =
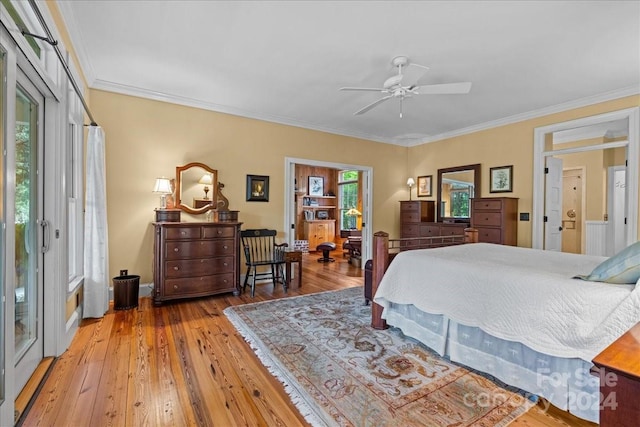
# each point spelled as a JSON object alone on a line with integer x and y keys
{"x": 518, "y": 294}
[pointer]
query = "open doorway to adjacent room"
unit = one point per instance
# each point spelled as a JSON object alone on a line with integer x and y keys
{"x": 327, "y": 201}
{"x": 585, "y": 197}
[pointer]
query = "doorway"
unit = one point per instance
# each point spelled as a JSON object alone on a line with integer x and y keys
{"x": 290, "y": 207}
{"x": 543, "y": 150}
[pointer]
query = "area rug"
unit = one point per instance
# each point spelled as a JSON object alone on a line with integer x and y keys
{"x": 341, "y": 372}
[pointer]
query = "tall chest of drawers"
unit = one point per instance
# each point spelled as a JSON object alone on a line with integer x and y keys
{"x": 194, "y": 259}
{"x": 496, "y": 219}
{"x": 412, "y": 214}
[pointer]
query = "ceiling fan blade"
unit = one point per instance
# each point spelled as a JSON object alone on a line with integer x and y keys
{"x": 367, "y": 89}
{"x": 443, "y": 89}
{"x": 373, "y": 104}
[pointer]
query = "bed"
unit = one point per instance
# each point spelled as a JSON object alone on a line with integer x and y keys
{"x": 514, "y": 313}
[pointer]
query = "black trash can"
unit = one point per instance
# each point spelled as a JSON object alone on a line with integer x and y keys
{"x": 125, "y": 290}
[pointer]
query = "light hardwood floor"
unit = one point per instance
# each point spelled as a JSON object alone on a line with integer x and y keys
{"x": 184, "y": 364}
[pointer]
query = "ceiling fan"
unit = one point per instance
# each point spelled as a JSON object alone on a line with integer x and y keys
{"x": 393, "y": 88}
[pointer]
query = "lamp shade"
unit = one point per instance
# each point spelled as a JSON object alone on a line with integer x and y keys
{"x": 410, "y": 182}
{"x": 353, "y": 212}
{"x": 163, "y": 186}
{"x": 206, "y": 179}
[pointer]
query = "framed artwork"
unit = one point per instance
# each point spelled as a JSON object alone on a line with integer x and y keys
{"x": 424, "y": 186}
{"x": 501, "y": 179}
{"x": 257, "y": 188}
{"x": 316, "y": 186}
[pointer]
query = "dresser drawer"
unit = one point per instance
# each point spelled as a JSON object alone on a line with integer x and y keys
{"x": 210, "y": 232}
{"x": 175, "y": 233}
{"x": 198, "y": 249}
{"x": 411, "y": 230}
{"x": 197, "y": 267}
{"x": 409, "y": 207}
{"x": 491, "y": 219}
{"x": 487, "y": 205}
{"x": 204, "y": 285}
{"x": 452, "y": 230}
{"x": 410, "y": 216}
{"x": 429, "y": 230}
{"x": 489, "y": 235}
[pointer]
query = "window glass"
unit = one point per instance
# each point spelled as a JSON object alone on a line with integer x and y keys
{"x": 74, "y": 190}
{"x": 348, "y": 198}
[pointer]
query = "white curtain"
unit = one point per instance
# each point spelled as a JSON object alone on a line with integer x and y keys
{"x": 96, "y": 241}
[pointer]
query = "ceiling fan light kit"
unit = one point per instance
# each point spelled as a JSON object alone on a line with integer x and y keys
{"x": 393, "y": 88}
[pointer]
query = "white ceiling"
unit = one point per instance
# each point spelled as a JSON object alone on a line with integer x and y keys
{"x": 284, "y": 61}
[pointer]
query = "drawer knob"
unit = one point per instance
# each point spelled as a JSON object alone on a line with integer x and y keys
{"x": 225, "y": 264}
{"x": 225, "y": 247}
{"x": 175, "y": 286}
{"x": 183, "y": 233}
{"x": 219, "y": 231}
{"x": 176, "y": 268}
{"x": 176, "y": 250}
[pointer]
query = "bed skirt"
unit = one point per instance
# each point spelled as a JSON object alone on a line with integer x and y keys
{"x": 565, "y": 382}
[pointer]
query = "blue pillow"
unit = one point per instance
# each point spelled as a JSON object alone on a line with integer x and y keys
{"x": 622, "y": 268}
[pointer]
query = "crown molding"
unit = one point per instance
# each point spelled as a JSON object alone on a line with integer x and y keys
{"x": 578, "y": 103}
{"x": 71, "y": 23}
{"x": 401, "y": 141}
{"x": 197, "y": 103}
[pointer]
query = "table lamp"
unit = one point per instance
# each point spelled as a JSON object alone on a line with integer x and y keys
{"x": 206, "y": 180}
{"x": 163, "y": 187}
{"x": 410, "y": 183}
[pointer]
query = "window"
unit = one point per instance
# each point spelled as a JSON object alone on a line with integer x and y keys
{"x": 74, "y": 190}
{"x": 348, "y": 197}
{"x": 460, "y": 196}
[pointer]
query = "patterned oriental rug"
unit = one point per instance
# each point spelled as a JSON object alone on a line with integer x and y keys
{"x": 341, "y": 372}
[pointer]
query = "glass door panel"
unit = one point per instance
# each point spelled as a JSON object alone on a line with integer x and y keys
{"x": 26, "y": 242}
{"x": 28, "y": 287}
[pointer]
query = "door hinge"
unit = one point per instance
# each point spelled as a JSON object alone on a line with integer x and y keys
{"x": 625, "y": 221}
{"x": 546, "y": 170}
{"x": 293, "y": 226}
{"x": 545, "y": 219}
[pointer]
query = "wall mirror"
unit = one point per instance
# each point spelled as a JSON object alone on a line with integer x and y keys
{"x": 456, "y": 187}
{"x": 196, "y": 188}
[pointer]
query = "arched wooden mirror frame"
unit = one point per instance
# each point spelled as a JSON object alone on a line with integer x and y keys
{"x": 190, "y": 172}
{"x": 476, "y": 192}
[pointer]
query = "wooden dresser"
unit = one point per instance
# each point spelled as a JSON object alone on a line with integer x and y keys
{"x": 194, "y": 259}
{"x": 618, "y": 367}
{"x": 319, "y": 231}
{"x": 496, "y": 219}
{"x": 417, "y": 220}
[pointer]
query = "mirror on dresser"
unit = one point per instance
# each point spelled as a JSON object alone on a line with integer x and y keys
{"x": 456, "y": 187}
{"x": 196, "y": 188}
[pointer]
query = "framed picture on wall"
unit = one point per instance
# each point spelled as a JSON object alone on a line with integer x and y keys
{"x": 424, "y": 186}
{"x": 501, "y": 179}
{"x": 316, "y": 186}
{"x": 257, "y": 188}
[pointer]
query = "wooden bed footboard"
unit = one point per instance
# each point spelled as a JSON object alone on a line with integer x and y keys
{"x": 384, "y": 249}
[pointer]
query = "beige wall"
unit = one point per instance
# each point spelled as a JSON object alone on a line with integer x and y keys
{"x": 505, "y": 145}
{"x": 147, "y": 139}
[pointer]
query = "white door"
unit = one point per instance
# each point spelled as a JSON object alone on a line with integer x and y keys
{"x": 553, "y": 205}
{"x": 29, "y": 273}
{"x": 616, "y": 207}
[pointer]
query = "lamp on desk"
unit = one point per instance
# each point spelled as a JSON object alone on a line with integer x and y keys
{"x": 353, "y": 213}
{"x": 410, "y": 183}
{"x": 206, "y": 180}
{"x": 163, "y": 187}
